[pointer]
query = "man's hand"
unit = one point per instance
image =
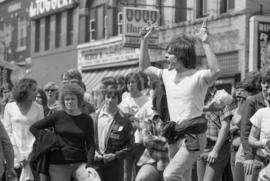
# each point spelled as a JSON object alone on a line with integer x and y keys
{"x": 147, "y": 32}
{"x": 135, "y": 123}
{"x": 203, "y": 33}
{"x": 98, "y": 157}
{"x": 212, "y": 157}
{"x": 108, "y": 157}
{"x": 21, "y": 164}
{"x": 248, "y": 164}
{"x": 11, "y": 173}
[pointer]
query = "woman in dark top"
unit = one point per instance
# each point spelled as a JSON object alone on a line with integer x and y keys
{"x": 75, "y": 136}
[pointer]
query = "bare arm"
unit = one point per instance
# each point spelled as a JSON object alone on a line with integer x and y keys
{"x": 212, "y": 63}
{"x": 222, "y": 136}
{"x": 144, "y": 60}
{"x": 210, "y": 55}
{"x": 253, "y": 138}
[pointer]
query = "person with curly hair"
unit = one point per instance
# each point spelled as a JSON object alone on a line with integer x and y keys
{"x": 18, "y": 117}
{"x": 74, "y": 131}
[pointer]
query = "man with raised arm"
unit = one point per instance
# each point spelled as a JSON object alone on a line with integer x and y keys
{"x": 185, "y": 89}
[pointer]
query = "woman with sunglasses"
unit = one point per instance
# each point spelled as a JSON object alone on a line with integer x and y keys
{"x": 51, "y": 90}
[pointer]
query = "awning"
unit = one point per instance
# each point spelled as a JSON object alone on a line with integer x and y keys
{"x": 92, "y": 79}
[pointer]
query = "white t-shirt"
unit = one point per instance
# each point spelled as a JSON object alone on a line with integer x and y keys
{"x": 261, "y": 120}
{"x": 186, "y": 98}
{"x": 17, "y": 126}
{"x": 131, "y": 105}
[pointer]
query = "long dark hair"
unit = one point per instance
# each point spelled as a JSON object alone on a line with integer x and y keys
{"x": 21, "y": 90}
{"x": 184, "y": 49}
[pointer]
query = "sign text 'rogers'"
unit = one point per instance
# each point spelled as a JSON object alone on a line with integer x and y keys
{"x": 134, "y": 20}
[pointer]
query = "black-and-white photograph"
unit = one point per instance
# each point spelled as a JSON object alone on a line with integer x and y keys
{"x": 134, "y": 90}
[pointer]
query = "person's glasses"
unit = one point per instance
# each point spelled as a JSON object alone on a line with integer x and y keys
{"x": 6, "y": 91}
{"x": 50, "y": 90}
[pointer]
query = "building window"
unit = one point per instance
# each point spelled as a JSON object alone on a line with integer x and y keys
{"x": 47, "y": 32}
{"x": 99, "y": 23}
{"x": 58, "y": 29}
{"x": 7, "y": 32}
{"x": 226, "y": 5}
{"x": 106, "y": 27}
{"x": 180, "y": 11}
{"x": 92, "y": 29}
{"x": 37, "y": 35}
{"x": 120, "y": 23}
{"x": 201, "y": 8}
{"x": 22, "y": 32}
{"x": 70, "y": 27}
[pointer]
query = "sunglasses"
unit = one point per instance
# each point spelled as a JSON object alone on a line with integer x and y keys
{"x": 6, "y": 91}
{"x": 50, "y": 90}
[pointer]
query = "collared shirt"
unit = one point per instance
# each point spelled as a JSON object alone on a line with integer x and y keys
{"x": 104, "y": 123}
{"x": 151, "y": 125}
{"x": 214, "y": 121}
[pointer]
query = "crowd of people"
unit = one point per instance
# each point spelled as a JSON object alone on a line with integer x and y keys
{"x": 170, "y": 124}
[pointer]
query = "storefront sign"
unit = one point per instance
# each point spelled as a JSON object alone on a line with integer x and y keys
{"x": 14, "y": 7}
{"x": 104, "y": 55}
{"x": 259, "y": 35}
{"x": 134, "y": 19}
{"x": 45, "y": 7}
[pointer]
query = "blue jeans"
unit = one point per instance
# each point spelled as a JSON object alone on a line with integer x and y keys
{"x": 130, "y": 163}
{"x": 258, "y": 165}
{"x": 238, "y": 172}
{"x": 213, "y": 172}
{"x": 181, "y": 160}
{"x": 112, "y": 171}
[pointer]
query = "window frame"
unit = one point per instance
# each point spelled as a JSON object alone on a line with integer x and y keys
{"x": 92, "y": 30}
{"x": 70, "y": 27}
{"x": 47, "y": 33}
{"x": 203, "y": 9}
{"x": 22, "y": 33}
{"x": 227, "y": 7}
{"x": 106, "y": 26}
{"x": 58, "y": 30}
{"x": 120, "y": 23}
{"x": 37, "y": 35}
